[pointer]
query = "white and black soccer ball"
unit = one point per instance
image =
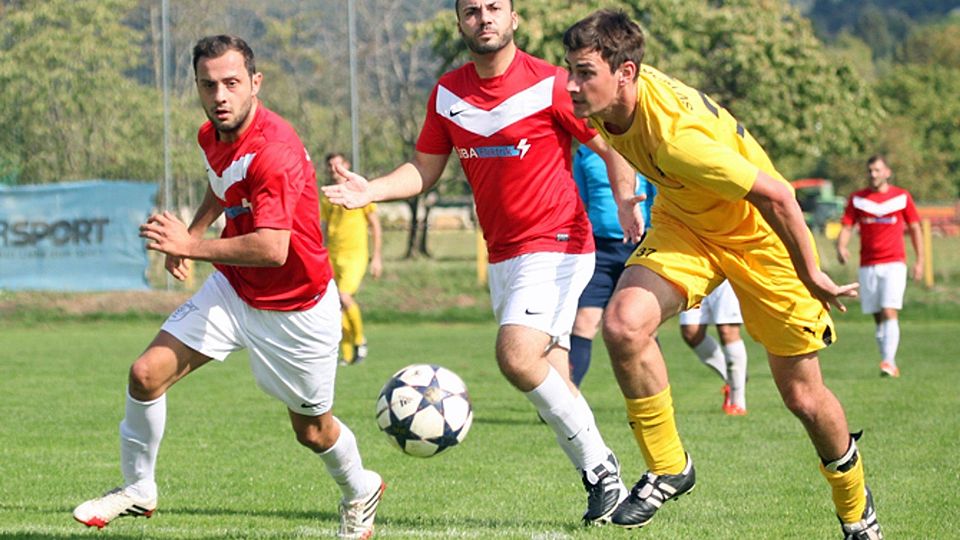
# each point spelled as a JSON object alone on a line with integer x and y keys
{"x": 424, "y": 409}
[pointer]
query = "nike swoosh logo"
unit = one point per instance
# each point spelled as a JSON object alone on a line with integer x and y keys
{"x": 312, "y": 405}
{"x": 528, "y": 312}
{"x": 453, "y": 113}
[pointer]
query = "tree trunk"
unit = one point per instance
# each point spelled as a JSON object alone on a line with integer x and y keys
{"x": 414, "y": 204}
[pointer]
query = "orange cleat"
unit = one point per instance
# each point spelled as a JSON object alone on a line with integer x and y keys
{"x": 889, "y": 370}
{"x": 734, "y": 410}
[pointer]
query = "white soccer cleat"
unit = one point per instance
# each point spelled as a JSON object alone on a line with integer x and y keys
{"x": 114, "y": 503}
{"x": 356, "y": 517}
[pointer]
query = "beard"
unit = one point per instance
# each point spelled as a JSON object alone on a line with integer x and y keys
{"x": 478, "y": 47}
{"x": 232, "y": 125}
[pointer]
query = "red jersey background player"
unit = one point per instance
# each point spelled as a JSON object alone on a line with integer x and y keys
{"x": 272, "y": 293}
{"x": 883, "y": 212}
{"x": 507, "y": 117}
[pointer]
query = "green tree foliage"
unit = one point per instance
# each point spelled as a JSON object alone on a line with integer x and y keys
{"x": 921, "y": 135}
{"x": 69, "y": 109}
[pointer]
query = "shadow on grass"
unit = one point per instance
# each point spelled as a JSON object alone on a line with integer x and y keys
{"x": 166, "y": 517}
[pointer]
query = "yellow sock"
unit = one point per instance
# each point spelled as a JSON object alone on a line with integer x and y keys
{"x": 655, "y": 429}
{"x": 346, "y": 342}
{"x": 849, "y": 491}
{"x": 356, "y": 324}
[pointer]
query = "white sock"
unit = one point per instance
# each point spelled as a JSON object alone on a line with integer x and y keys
{"x": 708, "y": 351}
{"x": 736, "y": 357}
{"x": 140, "y": 433}
{"x": 346, "y": 468}
{"x": 879, "y": 335}
{"x": 576, "y": 433}
{"x": 890, "y": 341}
{"x": 584, "y": 410}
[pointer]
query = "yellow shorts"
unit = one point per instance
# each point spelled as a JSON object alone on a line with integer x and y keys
{"x": 348, "y": 272}
{"x": 778, "y": 310}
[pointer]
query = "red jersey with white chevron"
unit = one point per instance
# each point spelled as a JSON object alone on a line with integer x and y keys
{"x": 265, "y": 180}
{"x": 512, "y": 134}
{"x": 882, "y": 217}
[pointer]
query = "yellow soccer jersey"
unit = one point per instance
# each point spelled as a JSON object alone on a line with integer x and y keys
{"x": 701, "y": 159}
{"x": 346, "y": 229}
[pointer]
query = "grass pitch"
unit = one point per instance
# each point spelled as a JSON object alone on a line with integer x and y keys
{"x": 229, "y": 466}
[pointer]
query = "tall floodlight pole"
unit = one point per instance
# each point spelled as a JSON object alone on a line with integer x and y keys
{"x": 165, "y": 63}
{"x": 354, "y": 114}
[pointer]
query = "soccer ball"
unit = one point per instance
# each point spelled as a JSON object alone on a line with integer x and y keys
{"x": 424, "y": 409}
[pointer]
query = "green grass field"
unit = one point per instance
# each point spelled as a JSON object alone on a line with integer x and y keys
{"x": 230, "y": 467}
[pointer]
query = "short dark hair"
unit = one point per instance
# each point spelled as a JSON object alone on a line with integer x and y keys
{"x": 332, "y": 155}
{"x": 877, "y": 157}
{"x": 456, "y": 7}
{"x": 611, "y": 33}
{"x": 217, "y": 46}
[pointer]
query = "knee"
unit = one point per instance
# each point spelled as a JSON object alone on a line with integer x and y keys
{"x": 142, "y": 382}
{"x": 623, "y": 330}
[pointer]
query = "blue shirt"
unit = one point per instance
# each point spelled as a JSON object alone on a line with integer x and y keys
{"x": 590, "y": 174}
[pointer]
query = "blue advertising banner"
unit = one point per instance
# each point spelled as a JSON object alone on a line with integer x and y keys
{"x": 76, "y": 236}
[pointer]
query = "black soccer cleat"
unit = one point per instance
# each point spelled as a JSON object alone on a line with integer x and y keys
{"x": 605, "y": 490}
{"x": 649, "y": 494}
{"x": 868, "y": 528}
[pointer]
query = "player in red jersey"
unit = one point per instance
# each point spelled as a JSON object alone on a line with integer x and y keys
{"x": 882, "y": 211}
{"x": 272, "y": 293}
{"x": 507, "y": 117}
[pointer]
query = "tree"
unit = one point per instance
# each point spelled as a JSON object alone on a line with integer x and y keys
{"x": 69, "y": 109}
{"x": 920, "y": 136}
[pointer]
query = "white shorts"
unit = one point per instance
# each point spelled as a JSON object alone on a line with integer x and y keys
{"x": 882, "y": 286}
{"x": 719, "y": 307}
{"x": 293, "y": 354}
{"x": 540, "y": 291}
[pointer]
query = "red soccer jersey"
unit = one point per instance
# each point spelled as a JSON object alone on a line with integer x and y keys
{"x": 882, "y": 217}
{"x": 512, "y": 134}
{"x": 266, "y": 180}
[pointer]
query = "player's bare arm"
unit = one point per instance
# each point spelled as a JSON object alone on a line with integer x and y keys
{"x": 411, "y": 178}
{"x": 916, "y": 238}
{"x": 264, "y": 247}
{"x": 623, "y": 183}
{"x": 376, "y": 233}
{"x": 843, "y": 254}
{"x": 777, "y": 205}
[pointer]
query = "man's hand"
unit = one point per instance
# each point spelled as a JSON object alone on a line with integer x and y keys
{"x": 631, "y": 218}
{"x": 353, "y": 193}
{"x": 843, "y": 255}
{"x": 829, "y": 293}
{"x": 167, "y": 234}
{"x": 918, "y": 271}
{"x": 376, "y": 267}
{"x": 177, "y": 267}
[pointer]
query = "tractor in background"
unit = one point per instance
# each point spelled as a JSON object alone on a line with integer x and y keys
{"x": 822, "y": 207}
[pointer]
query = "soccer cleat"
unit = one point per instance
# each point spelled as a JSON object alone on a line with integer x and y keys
{"x": 113, "y": 504}
{"x": 359, "y": 353}
{"x": 649, "y": 494}
{"x": 868, "y": 528}
{"x": 734, "y": 410}
{"x": 726, "y": 396}
{"x": 888, "y": 369}
{"x": 605, "y": 490}
{"x": 356, "y": 517}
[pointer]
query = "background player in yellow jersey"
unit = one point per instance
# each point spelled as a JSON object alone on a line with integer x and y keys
{"x": 722, "y": 211}
{"x": 346, "y": 235}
